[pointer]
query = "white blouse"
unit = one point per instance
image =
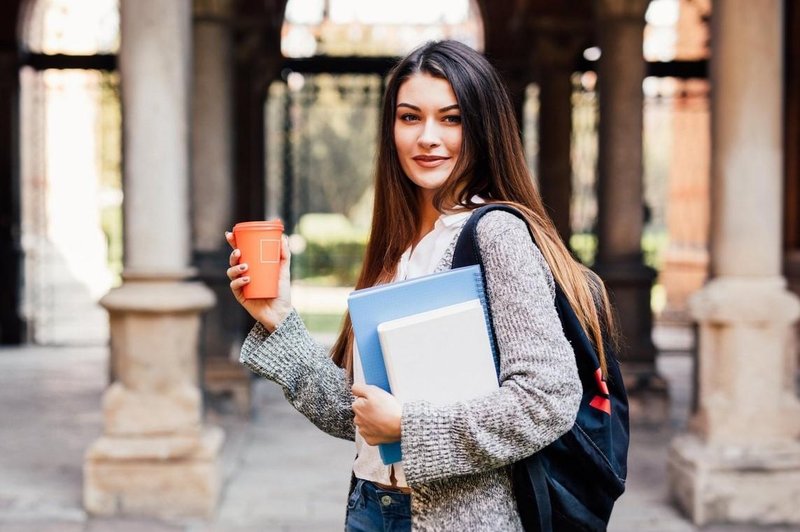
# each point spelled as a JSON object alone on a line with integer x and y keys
{"x": 423, "y": 261}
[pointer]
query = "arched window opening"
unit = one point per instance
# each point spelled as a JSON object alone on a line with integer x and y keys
{"x": 71, "y": 182}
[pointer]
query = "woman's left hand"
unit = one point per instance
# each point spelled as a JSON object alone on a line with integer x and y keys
{"x": 377, "y": 414}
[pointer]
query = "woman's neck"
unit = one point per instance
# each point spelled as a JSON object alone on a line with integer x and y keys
{"x": 428, "y": 216}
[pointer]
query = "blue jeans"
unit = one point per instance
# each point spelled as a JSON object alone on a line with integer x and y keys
{"x": 372, "y": 509}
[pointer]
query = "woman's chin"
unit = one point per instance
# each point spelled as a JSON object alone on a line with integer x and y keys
{"x": 431, "y": 182}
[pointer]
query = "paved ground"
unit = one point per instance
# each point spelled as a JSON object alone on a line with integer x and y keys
{"x": 281, "y": 473}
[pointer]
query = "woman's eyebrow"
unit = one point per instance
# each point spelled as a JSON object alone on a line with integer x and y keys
{"x": 442, "y": 110}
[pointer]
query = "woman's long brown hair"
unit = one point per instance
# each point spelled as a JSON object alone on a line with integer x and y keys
{"x": 491, "y": 165}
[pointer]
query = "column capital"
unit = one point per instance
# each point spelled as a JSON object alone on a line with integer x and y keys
{"x": 741, "y": 300}
{"x": 631, "y": 10}
{"x": 153, "y": 297}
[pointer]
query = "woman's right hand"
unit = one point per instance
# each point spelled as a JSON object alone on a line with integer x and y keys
{"x": 270, "y": 312}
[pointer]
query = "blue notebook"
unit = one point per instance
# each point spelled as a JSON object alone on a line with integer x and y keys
{"x": 372, "y": 306}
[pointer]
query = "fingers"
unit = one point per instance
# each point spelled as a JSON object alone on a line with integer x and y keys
{"x": 360, "y": 390}
{"x": 235, "y": 271}
{"x": 367, "y": 390}
{"x": 238, "y": 284}
{"x": 286, "y": 256}
{"x": 233, "y": 259}
{"x": 231, "y": 239}
{"x": 359, "y": 402}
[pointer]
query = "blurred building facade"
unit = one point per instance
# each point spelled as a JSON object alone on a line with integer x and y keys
{"x": 195, "y": 79}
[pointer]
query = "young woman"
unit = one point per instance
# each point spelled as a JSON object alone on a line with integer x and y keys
{"x": 449, "y": 142}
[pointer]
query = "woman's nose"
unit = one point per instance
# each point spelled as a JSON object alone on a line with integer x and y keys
{"x": 429, "y": 137}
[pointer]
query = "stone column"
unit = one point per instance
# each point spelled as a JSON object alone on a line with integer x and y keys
{"x": 11, "y": 323}
{"x": 619, "y": 261}
{"x": 251, "y": 92}
{"x": 556, "y": 48}
{"x": 212, "y": 195}
{"x": 685, "y": 261}
{"x": 155, "y": 457}
{"x": 740, "y": 462}
{"x": 257, "y": 50}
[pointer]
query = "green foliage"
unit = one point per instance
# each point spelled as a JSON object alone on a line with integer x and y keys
{"x": 584, "y": 245}
{"x": 111, "y": 223}
{"x": 334, "y": 250}
{"x": 322, "y": 136}
{"x": 110, "y": 165}
{"x": 654, "y": 242}
{"x": 319, "y": 323}
{"x": 329, "y": 228}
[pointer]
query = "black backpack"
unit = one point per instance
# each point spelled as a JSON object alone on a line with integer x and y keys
{"x": 571, "y": 484}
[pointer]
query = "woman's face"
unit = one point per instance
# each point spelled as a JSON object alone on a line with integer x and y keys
{"x": 427, "y": 131}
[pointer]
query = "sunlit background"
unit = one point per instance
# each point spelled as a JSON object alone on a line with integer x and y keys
{"x": 320, "y": 149}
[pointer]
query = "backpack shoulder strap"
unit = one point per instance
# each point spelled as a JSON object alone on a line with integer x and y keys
{"x": 533, "y": 498}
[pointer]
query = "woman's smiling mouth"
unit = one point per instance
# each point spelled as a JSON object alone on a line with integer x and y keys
{"x": 430, "y": 161}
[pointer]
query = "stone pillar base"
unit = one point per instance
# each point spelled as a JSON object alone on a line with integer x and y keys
{"x": 162, "y": 477}
{"x": 745, "y": 369}
{"x": 736, "y": 484}
{"x": 155, "y": 459}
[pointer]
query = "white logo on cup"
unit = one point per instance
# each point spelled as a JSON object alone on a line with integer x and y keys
{"x": 270, "y": 247}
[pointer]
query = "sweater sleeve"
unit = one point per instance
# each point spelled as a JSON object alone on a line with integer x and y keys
{"x": 311, "y": 382}
{"x": 539, "y": 390}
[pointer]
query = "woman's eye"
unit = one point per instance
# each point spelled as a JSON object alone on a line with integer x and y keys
{"x": 408, "y": 117}
{"x": 453, "y": 119}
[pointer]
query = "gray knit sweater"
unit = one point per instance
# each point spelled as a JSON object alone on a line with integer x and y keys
{"x": 456, "y": 457}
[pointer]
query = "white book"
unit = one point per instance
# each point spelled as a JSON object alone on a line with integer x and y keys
{"x": 440, "y": 356}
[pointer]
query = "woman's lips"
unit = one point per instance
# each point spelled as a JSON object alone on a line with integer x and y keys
{"x": 430, "y": 162}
